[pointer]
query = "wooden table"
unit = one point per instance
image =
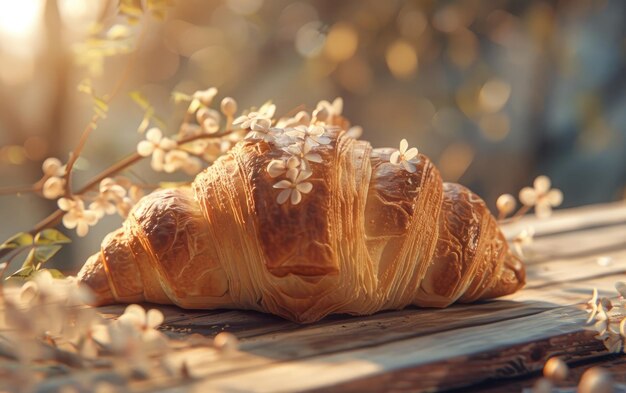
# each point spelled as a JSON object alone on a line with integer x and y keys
{"x": 497, "y": 346}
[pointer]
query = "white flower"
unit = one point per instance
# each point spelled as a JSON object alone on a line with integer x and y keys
{"x": 278, "y": 167}
{"x": 155, "y": 145}
{"x": 405, "y": 156}
{"x": 313, "y": 135}
{"x": 110, "y": 196}
{"x": 77, "y": 216}
{"x": 303, "y": 152}
{"x": 523, "y": 239}
{"x": 261, "y": 129}
{"x": 294, "y": 187}
{"x": 251, "y": 119}
{"x": 53, "y": 187}
{"x": 137, "y": 316}
{"x": 541, "y": 196}
{"x": 180, "y": 159}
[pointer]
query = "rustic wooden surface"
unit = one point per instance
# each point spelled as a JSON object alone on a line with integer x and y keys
{"x": 498, "y": 345}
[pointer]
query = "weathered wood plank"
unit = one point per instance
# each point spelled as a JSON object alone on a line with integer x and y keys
{"x": 571, "y": 219}
{"x": 455, "y": 345}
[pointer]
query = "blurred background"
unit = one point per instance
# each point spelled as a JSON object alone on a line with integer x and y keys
{"x": 495, "y": 92}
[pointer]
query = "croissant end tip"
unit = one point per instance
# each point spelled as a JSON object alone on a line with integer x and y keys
{"x": 94, "y": 276}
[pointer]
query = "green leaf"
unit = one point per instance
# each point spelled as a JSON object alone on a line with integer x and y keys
{"x": 51, "y": 236}
{"x": 43, "y": 253}
{"x": 18, "y": 240}
{"x": 55, "y": 273}
{"x": 24, "y": 273}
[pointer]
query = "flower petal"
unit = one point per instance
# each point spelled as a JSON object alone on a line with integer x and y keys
{"x": 528, "y": 196}
{"x": 305, "y": 187}
{"x": 409, "y": 167}
{"x": 542, "y": 184}
{"x": 154, "y": 135}
{"x": 403, "y": 146}
{"x": 276, "y": 168}
{"x": 283, "y": 184}
{"x": 554, "y": 197}
{"x": 303, "y": 175}
{"x": 314, "y": 157}
{"x": 411, "y": 153}
{"x": 154, "y": 318}
{"x": 395, "y": 158}
{"x": 296, "y": 197}
{"x": 292, "y": 174}
{"x": 283, "y": 196}
{"x": 145, "y": 148}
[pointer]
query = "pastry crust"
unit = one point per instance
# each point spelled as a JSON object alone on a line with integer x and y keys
{"x": 370, "y": 236}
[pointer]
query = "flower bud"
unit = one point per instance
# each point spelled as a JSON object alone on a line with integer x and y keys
{"x": 229, "y": 106}
{"x": 506, "y": 204}
{"x": 596, "y": 380}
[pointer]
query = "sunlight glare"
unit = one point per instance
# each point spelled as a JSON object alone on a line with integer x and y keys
{"x": 19, "y": 19}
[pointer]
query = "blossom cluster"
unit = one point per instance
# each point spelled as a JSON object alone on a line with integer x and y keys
{"x": 114, "y": 195}
{"x": 45, "y": 322}
{"x": 608, "y": 319}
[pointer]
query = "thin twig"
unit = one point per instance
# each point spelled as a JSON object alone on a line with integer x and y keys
{"x": 97, "y": 116}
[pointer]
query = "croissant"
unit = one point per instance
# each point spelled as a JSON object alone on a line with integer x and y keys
{"x": 363, "y": 235}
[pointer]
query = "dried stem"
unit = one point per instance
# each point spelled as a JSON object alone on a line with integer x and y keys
{"x": 519, "y": 214}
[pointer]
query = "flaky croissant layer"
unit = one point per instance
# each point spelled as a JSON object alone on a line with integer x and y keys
{"x": 369, "y": 236}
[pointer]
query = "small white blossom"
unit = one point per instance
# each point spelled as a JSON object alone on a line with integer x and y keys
{"x": 405, "y": 156}
{"x": 314, "y": 135}
{"x": 541, "y": 196}
{"x": 261, "y": 129}
{"x": 279, "y": 167}
{"x": 294, "y": 187}
{"x": 251, "y": 119}
{"x": 111, "y": 194}
{"x": 303, "y": 152}
{"x": 77, "y": 216}
{"x": 155, "y": 145}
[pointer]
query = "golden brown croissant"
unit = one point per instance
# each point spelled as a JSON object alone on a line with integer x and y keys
{"x": 364, "y": 235}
